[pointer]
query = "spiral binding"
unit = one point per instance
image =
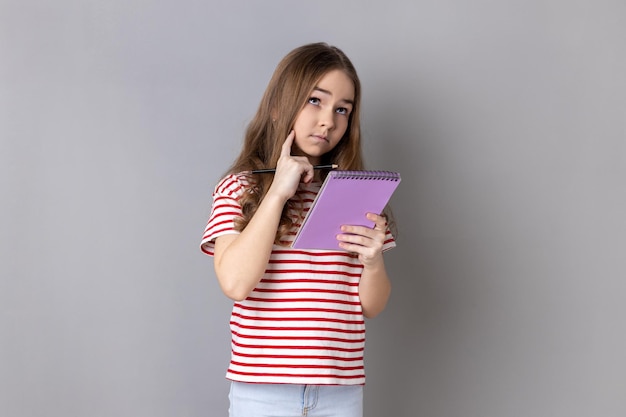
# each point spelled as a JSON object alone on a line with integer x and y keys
{"x": 366, "y": 175}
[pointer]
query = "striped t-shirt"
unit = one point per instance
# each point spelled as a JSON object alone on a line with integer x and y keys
{"x": 303, "y": 323}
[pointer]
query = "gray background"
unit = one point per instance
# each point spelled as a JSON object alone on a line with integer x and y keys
{"x": 506, "y": 119}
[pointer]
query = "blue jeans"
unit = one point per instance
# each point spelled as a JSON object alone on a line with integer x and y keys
{"x": 293, "y": 400}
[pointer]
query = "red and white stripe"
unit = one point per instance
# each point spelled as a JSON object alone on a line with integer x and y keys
{"x": 303, "y": 323}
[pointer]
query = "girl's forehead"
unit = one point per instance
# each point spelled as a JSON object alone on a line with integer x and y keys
{"x": 336, "y": 83}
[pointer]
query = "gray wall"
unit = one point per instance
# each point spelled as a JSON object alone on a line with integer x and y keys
{"x": 506, "y": 119}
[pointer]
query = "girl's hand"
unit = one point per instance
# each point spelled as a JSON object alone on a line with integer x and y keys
{"x": 366, "y": 242}
{"x": 290, "y": 171}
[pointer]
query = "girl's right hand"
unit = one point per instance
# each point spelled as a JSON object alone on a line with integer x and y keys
{"x": 290, "y": 171}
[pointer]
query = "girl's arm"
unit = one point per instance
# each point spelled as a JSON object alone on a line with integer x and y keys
{"x": 240, "y": 260}
{"x": 374, "y": 287}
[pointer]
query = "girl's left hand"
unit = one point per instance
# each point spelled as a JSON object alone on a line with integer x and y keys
{"x": 366, "y": 242}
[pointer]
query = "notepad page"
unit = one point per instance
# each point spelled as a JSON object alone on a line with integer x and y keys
{"x": 344, "y": 199}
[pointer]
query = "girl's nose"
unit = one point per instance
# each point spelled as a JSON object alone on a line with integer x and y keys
{"x": 327, "y": 119}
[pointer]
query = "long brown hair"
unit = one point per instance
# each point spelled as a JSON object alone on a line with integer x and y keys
{"x": 286, "y": 94}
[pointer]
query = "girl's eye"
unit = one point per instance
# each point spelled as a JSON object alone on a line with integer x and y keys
{"x": 342, "y": 110}
{"x": 315, "y": 101}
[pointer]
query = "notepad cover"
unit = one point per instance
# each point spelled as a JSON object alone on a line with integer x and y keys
{"x": 344, "y": 199}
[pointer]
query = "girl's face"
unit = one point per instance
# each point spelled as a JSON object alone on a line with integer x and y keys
{"x": 324, "y": 118}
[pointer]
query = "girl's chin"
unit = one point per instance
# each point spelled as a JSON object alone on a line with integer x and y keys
{"x": 317, "y": 150}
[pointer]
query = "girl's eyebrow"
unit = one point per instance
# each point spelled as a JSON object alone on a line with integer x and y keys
{"x": 321, "y": 90}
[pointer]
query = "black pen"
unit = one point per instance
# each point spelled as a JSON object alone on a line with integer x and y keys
{"x": 272, "y": 170}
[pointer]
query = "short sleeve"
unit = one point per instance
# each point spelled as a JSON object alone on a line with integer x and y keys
{"x": 390, "y": 241}
{"x": 225, "y": 210}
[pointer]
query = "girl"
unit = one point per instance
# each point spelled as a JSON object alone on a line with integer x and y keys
{"x": 297, "y": 323}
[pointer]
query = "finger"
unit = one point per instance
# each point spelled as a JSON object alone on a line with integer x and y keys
{"x": 363, "y": 247}
{"x": 309, "y": 172}
{"x": 286, "y": 149}
{"x": 380, "y": 222}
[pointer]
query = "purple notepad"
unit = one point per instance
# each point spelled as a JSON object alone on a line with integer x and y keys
{"x": 344, "y": 198}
